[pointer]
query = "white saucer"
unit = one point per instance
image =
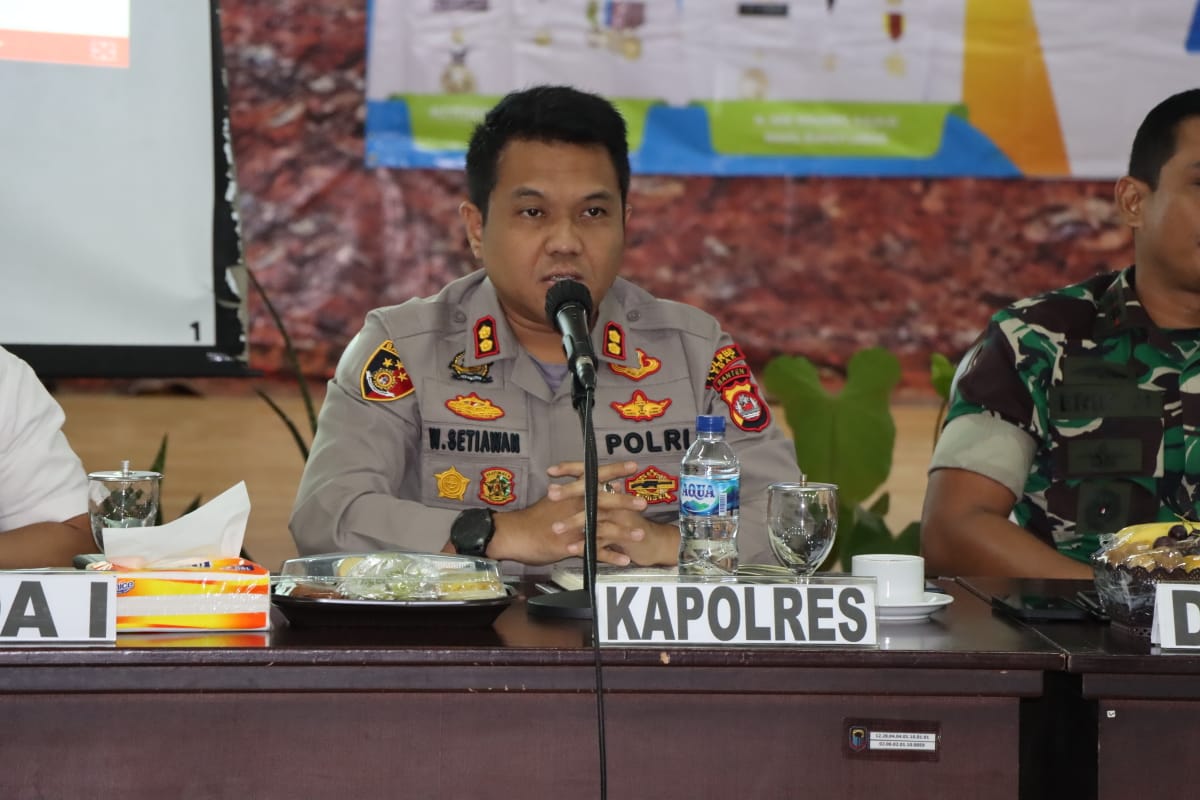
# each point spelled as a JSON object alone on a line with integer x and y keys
{"x": 913, "y": 612}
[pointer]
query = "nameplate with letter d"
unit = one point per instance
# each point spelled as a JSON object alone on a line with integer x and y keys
{"x": 1176, "y": 622}
{"x": 725, "y": 614}
{"x": 48, "y": 608}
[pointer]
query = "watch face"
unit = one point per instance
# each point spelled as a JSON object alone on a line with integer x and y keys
{"x": 472, "y": 531}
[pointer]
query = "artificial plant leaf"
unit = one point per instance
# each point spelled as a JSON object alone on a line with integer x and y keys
{"x": 160, "y": 458}
{"x": 881, "y": 504}
{"x": 941, "y": 375}
{"x": 869, "y": 533}
{"x": 845, "y": 438}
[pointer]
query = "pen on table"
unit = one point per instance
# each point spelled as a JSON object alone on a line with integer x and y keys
{"x": 547, "y": 588}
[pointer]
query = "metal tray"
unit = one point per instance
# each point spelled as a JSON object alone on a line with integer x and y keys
{"x": 326, "y": 612}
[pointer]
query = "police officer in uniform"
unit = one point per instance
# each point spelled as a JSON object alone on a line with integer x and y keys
{"x": 1079, "y": 412}
{"x": 449, "y": 423}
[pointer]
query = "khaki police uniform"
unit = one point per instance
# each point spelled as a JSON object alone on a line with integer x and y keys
{"x": 435, "y": 407}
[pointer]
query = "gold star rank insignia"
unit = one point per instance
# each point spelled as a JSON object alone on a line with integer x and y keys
{"x": 451, "y": 484}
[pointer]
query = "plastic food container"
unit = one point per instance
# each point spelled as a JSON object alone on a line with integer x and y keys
{"x": 390, "y": 588}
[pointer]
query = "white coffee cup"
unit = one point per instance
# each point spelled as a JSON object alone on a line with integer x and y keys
{"x": 899, "y": 579}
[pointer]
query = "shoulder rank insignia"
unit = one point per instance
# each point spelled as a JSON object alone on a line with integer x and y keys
{"x": 725, "y": 356}
{"x": 451, "y": 484}
{"x": 653, "y": 485}
{"x": 746, "y": 408}
{"x": 476, "y": 374}
{"x": 641, "y": 408}
{"x": 614, "y": 341}
{"x": 384, "y": 377}
{"x": 486, "y": 343}
{"x": 497, "y": 487}
{"x": 647, "y": 365}
{"x": 472, "y": 406}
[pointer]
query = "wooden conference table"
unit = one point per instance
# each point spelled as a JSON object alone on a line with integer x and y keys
{"x": 1145, "y": 706}
{"x": 510, "y": 711}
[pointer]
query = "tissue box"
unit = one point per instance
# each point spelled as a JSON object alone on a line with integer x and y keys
{"x": 224, "y": 595}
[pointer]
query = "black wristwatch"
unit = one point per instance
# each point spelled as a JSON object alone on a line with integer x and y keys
{"x": 472, "y": 531}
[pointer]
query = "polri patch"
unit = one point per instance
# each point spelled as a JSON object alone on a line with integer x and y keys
{"x": 498, "y": 486}
{"x": 451, "y": 484}
{"x": 647, "y": 365}
{"x": 476, "y": 374}
{"x": 653, "y": 485}
{"x": 641, "y": 408}
{"x": 746, "y": 408}
{"x": 472, "y": 406}
{"x": 486, "y": 341}
{"x": 384, "y": 377}
{"x": 724, "y": 356}
{"x": 614, "y": 341}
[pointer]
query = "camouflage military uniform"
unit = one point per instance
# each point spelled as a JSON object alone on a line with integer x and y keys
{"x": 1111, "y": 401}
{"x": 435, "y": 407}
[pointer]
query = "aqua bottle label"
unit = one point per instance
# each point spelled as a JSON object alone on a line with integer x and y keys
{"x": 707, "y": 497}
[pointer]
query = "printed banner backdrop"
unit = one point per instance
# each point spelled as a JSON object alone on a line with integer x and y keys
{"x": 986, "y": 88}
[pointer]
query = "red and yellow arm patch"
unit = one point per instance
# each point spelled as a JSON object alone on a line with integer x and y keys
{"x": 384, "y": 377}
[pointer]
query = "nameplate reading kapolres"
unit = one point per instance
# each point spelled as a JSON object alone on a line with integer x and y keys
{"x": 58, "y": 608}
{"x": 736, "y": 613}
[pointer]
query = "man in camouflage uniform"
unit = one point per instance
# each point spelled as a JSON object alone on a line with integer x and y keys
{"x": 449, "y": 423}
{"x": 1078, "y": 412}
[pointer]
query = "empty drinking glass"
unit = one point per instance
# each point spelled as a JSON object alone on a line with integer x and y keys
{"x": 802, "y": 521}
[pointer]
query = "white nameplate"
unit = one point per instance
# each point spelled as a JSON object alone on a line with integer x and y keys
{"x": 1176, "y": 615}
{"x": 681, "y": 613}
{"x": 58, "y": 607}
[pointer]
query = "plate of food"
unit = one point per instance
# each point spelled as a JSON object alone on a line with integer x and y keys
{"x": 390, "y": 589}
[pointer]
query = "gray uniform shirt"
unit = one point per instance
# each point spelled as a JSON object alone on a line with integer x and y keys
{"x": 435, "y": 407}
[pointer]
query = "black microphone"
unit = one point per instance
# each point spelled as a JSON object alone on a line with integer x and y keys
{"x": 569, "y": 306}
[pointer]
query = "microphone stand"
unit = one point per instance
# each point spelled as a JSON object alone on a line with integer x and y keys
{"x": 578, "y": 603}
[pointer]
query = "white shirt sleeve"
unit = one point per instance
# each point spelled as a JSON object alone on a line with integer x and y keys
{"x": 41, "y": 478}
{"x": 989, "y": 446}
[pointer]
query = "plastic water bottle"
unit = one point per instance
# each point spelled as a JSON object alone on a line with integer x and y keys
{"x": 709, "y": 482}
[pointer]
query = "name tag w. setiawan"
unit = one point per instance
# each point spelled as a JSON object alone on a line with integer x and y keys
{"x": 728, "y": 613}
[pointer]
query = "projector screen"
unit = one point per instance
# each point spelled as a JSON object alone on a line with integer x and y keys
{"x": 118, "y": 241}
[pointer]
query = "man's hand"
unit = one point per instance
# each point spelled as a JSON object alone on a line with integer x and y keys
{"x": 552, "y": 528}
{"x": 621, "y": 530}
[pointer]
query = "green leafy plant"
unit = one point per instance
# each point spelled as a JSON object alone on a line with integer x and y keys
{"x": 159, "y": 466}
{"x": 941, "y": 374}
{"x": 293, "y": 364}
{"x": 846, "y": 438}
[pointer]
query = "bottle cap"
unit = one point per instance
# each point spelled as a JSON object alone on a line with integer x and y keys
{"x": 710, "y": 423}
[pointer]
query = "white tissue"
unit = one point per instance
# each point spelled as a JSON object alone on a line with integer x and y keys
{"x": 214, "y": 530}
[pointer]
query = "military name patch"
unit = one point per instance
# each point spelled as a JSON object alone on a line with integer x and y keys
{"x": 486, "y": 342}
{"x": 641, "y": 408}
{"x": 614, "y": 340}
{"x": 647, "y": 365}
{"x": 466, "y": 440}
{"x": 746, "y": 408}
{"x": 498, "y": 486}
{"x": 472, "y": 406}
{"x": 476, "y": 374}
{"x": 722, "y": 359}
{"x": 383, "y": 377}
{"x": 451, "y": 484}
{"x": 653, "y": 485}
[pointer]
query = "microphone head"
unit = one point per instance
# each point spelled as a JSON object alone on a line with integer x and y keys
{"x": 563, "y": 293}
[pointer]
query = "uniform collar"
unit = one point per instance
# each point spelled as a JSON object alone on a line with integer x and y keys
{"x": 487, "y": 337}
{"x": 1120, "y": 310}
{"x": 612, "y": 338}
